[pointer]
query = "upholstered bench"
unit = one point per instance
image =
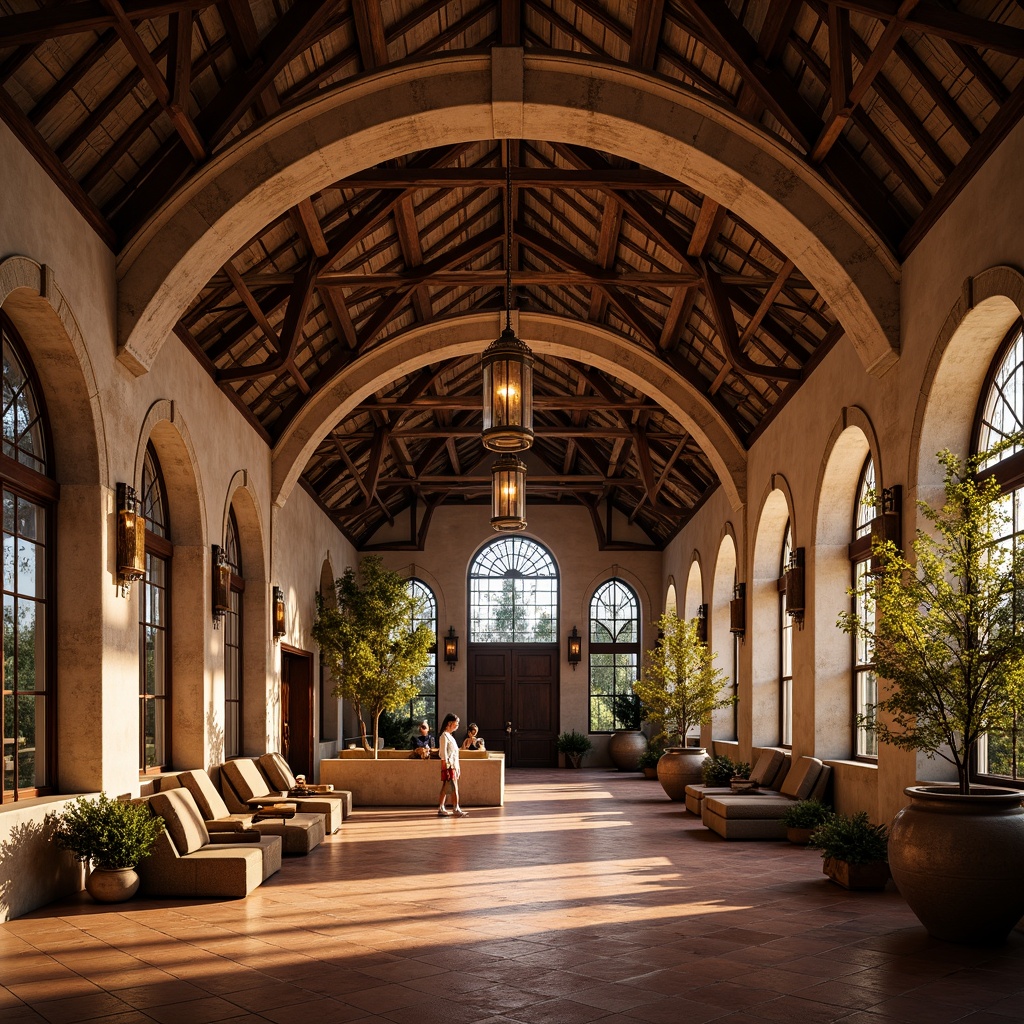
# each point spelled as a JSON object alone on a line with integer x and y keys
{"x": 769, "y": 772}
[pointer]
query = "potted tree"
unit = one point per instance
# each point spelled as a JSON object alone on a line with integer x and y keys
{"x": 111, "y": 836}
{"x": 574, "y": 745}
{"x": 627, "y": 743}
{"x": 946, "y": 633}
{"x": 803, "y": 818}
{"x": 853, "y": 850}
{"x": 679, "y": 688}
{"x": 369, "y": 642}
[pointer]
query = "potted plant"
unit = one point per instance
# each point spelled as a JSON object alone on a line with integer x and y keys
{"x": 853, "y": 850}
{"x": 679, "y": 688}
{"x": 112, "y": 836}
{"x": 803, "y": 818}
{"x": 370, "y": 644}
{"x": 647, "y": 762}
{"x": 627, "y": 743}
{"x": 945, "y": 632}
{"x": 574, "y": 745}
{"x": 720, "y": 770}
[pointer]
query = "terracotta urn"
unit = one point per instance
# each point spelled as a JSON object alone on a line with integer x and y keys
{"x": 625, "y": 748}
{"x": 957, "y": 859}
{"x": 112, "y": 885}
{"x": 680, "y": 767}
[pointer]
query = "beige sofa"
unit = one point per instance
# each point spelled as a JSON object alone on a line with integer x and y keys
{"x": 769, "y": 773}
{"x": 187, "y": 861}
{"x": 758, "y": 815}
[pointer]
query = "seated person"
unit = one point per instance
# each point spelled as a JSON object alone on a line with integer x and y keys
{"x": 473, "y": 740}
{"x": 423, "y": 740}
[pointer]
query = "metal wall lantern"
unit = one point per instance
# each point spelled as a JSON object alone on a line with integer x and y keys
{"x": 451, "y": 648}
{"x": 508, "y": 394}
{"x": 221, "y": 585}
{"x": 131, "y": 539}
{"x": 738, "y": 610}
{"x": 795, "y": 590}
{"x": 702, "y": 623}
{"x": 280, "y": 614}
{"x": 508, "y": 494}
{"x": 575, "y": 652}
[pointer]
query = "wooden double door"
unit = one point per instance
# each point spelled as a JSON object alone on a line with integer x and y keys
{"x": 513, "y": 697}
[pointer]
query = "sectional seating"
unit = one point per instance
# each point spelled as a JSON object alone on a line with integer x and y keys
{"x": 278, "y": 774}
{"x": 769, "y": 772}
{"x": 300, "y": 831}
{"x": 757, "y": 815}
{"x": 187, "y": 861}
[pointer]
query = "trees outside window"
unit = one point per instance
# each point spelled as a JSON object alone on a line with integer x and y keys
{"x": 614, "y": 656}
{"x": 865, "y": 682}
{"x": 513, "y": 594}
{"x": 424, "y": 704}
{"x": 785, "y": 648}
{"x": 232, "y": 626}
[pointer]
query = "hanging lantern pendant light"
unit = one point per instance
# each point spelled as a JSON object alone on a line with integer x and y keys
{"x": 508, "y": 364}
{"x": 508, "y": 494}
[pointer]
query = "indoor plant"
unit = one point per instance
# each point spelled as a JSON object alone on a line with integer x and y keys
{"x": 853, "y": 850}
{"x": 945, "y": 634}
{"x": 627, "y": 743}
{"x": 647, "y": 762}
{"x": 720, "y": 770}
{"x": 369, "y": 644}
{"x": 679, "y": 688}
{"x": 803, "y": 818}
{"x": 574, "y": 745}
{"x": 112, "y": 836}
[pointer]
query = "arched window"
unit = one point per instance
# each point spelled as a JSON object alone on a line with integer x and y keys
{"x": 785, "y": 648}
{"x": 233, "y": 644}
{"x": 614, "y": 656}
{"x": 1001, "y": 414}
{"x": 29, "y": 514}
{"x": 424, "y": 705}
{"x": 513, "y": 594}
{"x": 154, "y": 623}
{"x": 865, "y": 684}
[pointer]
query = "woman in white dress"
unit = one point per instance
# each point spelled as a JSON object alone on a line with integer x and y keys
{"x": 448, "y": 751}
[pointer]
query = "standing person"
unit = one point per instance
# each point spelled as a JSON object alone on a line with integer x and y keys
{"x": 448, "y": 751}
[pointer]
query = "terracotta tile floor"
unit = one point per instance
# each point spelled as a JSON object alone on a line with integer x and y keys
{"x": 588, "y": 897}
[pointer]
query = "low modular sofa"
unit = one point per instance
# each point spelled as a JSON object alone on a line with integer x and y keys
{"x": 187, "y": 861}
{"x": 768, "y": 773}
{"x": 757, "y": 815}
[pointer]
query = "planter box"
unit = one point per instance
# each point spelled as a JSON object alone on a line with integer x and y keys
{"x": 856, "y": 876}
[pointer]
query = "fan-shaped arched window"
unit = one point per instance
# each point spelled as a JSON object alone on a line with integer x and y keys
{"x": 233, "y": 643}
{"x": 513, "y": 594}
{"x": 785, "y": 648}
{"x": 424, "y": 705}
{"x": 865, "y": 684}
{"x": 29, "y": 515}
{"x": 614, "y": 657}
{"x": 154, "y": 623}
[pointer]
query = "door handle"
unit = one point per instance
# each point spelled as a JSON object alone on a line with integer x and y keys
{"x": 508, "y": 727}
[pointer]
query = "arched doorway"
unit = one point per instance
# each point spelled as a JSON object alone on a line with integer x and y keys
{"x": 513, "y": 658}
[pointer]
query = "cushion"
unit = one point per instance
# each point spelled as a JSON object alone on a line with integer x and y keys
{"x": 210, "y": 803}
{"x": 762, "y": 806}
{"x": 276, "y": 769}
{"x": 802, "y": 777}
{"x": 182, "y": 819}
{"x": 767, "y": 767}
{"x": 245, "y": 779}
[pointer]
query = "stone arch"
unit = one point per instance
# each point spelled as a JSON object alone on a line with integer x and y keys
{"x": 694, "y": 595}
{"x": 828, "y": 578}
{"x": 723, "y": 725}
{"x": 763, "y": 610}
{"x": 499, "y": 94}
{"x": 546, "y": 334}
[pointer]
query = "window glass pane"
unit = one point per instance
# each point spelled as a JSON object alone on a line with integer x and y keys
{"x": 1003, "y": 410}
{"x": 23, "y": 438}
{"x": 614, "y": 656}
{"x": 424, "y": 705}
{"x": 864, "y": 511}
{"x": 154, "y": 506}
{"x": 513, "y": 586}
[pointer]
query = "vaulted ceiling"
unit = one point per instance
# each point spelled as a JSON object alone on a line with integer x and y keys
{"x": 895, "y": 105}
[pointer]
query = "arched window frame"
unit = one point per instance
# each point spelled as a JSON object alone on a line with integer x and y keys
{"x": 785, "y": 646}
{"x": 517, "y": 562}
{"x": 1003, "y": 391}
{"x": 424, "y": 705}
{"x": 864, "y": 683}
{"x": 613, "y": 665}
{"x": 30, "y": 495}
{"x": 155, "y": 623}
{"x": 233, "y": 632}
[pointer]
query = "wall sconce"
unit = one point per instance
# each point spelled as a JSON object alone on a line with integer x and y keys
{"x": 888, "y": 524}
{"x": 221, "y": 585}
{"x": 795, "y": 599}
{"x": 738, "y": 610}
{"x": 451, "y": 648}
{"x": 702, "y": 623}
{"x": 131, "y": 539}
{"x": 575, "y": 648}
{"x": 508, "y": 494}
{"x": 280, "y": 614}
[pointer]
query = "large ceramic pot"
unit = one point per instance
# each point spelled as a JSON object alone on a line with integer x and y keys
{"x": 625, "y": 748}
{"x": 680, "y": 767}
{"x": 957, "y": 861}
{"x": 112, "y": 885}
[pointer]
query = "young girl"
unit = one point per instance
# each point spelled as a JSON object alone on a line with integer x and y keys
{"x": 448, "y": 750}
{"x": 473, "y": 740}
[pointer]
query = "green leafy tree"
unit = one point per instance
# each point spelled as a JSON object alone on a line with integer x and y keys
{"x": 510, "y": 620}
{"x": 679, "y": 686}
{"x": 369, "y": 643}
{"x": 948, "y": 630}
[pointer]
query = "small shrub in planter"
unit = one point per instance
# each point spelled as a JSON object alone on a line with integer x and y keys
{"x": 647, "y": 762}
{"x": 720, "y": 770}
{"x": 108, "y": 833}
{"x": 803, "y": 818}
{"x": 574, "y": 745}
{"x": 855, "y": 852}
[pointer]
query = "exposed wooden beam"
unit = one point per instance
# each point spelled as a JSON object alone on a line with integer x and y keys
{"x": 522, "y": 177}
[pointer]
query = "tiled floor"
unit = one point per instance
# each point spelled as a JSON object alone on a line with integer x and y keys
{"x": 588, "y": 897}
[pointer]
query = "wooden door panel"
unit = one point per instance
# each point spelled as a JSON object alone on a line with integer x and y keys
{"x": 489, "y": 686}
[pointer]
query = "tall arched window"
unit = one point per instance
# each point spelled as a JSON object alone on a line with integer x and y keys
{"x": 865, "y": 683}
{"x": 233, "y": 644}
{"x": 785, "y": 648}
{"x": 29, "y": 513}
{"x": 154, "y": 623}
{"x": 513, "y": 594}
{"x": 424, "y": 705}
{"x": 1000, "y": 415}
{"x": 614, "y": 655}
